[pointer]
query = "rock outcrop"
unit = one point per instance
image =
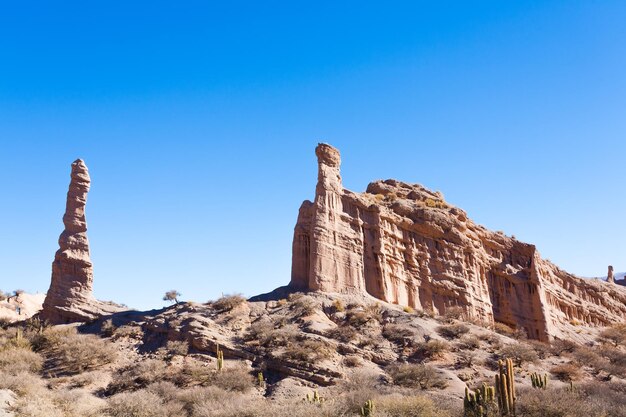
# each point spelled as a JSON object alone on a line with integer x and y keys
{"x": 610, "y": 277}
{"x": 403, "y": 244}
{"x": 70, "y": 296}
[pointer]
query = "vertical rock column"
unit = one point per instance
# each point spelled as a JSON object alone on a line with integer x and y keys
{"x": 336, "y": 264}
{"x": 610, "y": 277}
{"x": 72, "y": 270}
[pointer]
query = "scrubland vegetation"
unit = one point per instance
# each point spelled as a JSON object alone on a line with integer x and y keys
{"x": 392, "y": 367}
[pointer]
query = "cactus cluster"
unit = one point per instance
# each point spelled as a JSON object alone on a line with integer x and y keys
{"x": 505, "y": 388}
{"x": 539, "y": 381}
{"x": 220, "y": 358}
{"x": 479, "y": 402}
{"x": 368, "y": 408}
{"x": 315, "y": 398}
{"x": 261, "y": 379}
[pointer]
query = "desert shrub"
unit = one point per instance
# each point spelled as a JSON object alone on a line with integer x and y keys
{"x": 194, "y": 373}
{"x": 264, "y": 333}
{"x": 374, "y": 311}
{"x": 303, "y": 305}
{"x": 404, "y": 406}
{"x": 4, "y": 323}
{"x": 431, "y": 349}
{"x": 50, "y": 337}
{"x": 137, "y": 404}
{"x": 16, "y": 360}
{"x": 107, "y": 328}
{"x": 399, "y": 333}
{"x": 308, "y": 350}
{"x": 615, "y": 334}
{"x": 166, "y": 390}
{"x": 542, "y": 349}
{"x": 228, "y": 302}
{"x": 236, "y": 378}
{"x": 560, "y": 403}
{"x": 417, "y": 376}
{"x": 22, "y": 383}
{"x": 338, "y": 306}
{"x": 177, "y": 347}
{"x": 453, "y": 313}
{"x": 357, "y": 318}
{"x": 469, "y": 342}
{"x": 453, "y": 331}
{"x": 138, "y": 375}
{"x": 343, "y": 334}
{"x": 493, "y": 339}
{"x": 608, "y": 360}
{"x": 127, "y": 331}
{"x": 585, "y": 356}
{"x": 617, "y": 360}
{"x": 37, "y": 406}
{"x": 560, "y": 346}
{"x": 76, "y": 403}
{"x": 371, "y": 313}
{"x": 77, "y": 353}
{"x": 566, "y": 372}
{"x": 466, "y": 359}
{"x": 503, "y": 329}
{"x": 519, "y": 353}
{"x": 3, "y": 295}
{"x": 408, "y": 309}
{"x": 608, "y": 398}
{"x": 352, "y": 361}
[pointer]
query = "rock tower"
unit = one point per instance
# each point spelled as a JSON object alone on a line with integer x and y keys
{"x": 70, "y": 296}
{"x": 610, "y": 276}
{"x": 403, "y": 244}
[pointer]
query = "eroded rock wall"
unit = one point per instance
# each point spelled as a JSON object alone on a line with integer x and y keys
{"x": 404, "y": 244}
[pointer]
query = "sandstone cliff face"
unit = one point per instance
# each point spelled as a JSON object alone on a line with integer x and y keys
{"x": 404, "y": 244}
{"x": 70, "y": 296}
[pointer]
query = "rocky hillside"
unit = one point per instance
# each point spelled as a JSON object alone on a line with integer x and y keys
{"x": 305, "y": 355}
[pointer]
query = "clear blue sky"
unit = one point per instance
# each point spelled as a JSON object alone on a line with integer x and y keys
{"x": 198, "y": 124}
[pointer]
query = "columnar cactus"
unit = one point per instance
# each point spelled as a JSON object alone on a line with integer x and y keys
{"x": 220, "y": 358}
{"x": 261, "y": 380}
{"x": 479, "y": 402}
{"x": 315, "y": 398}
{"x": 368, "y": 408}
{"x": 539, "y": 381}
{"x": 505, "y": 388}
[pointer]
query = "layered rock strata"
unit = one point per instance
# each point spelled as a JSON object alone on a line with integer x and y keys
{"x": 70, "y": 296}
{"x": 403, "y": 244}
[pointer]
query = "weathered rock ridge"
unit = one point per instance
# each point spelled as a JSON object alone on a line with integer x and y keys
{"x": 403, "y": 244}
{"x": 70, "y": 296}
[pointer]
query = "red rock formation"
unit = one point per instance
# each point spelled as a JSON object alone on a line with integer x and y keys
{"x": 70, "y": 296}
{"x": 404, "y": 244}
{"x": 610, "y": 276}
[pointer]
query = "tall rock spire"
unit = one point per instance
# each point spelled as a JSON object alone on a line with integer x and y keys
{"x": 70, "y": 296}
{"x": 610, "y": 276}
{"x": 320, "y": 261}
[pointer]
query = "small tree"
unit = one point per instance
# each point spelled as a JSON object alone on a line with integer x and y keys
{"x": 16, "y": 294}
{"x": 171, "y": 295}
